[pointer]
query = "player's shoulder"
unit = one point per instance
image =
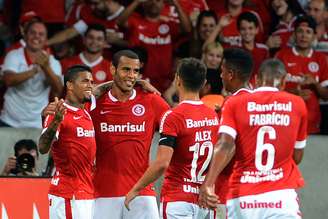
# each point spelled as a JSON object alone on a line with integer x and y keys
{"x": 18, "y": 53}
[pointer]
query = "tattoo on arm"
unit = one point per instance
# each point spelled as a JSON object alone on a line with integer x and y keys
{"x": 48, "y": 136}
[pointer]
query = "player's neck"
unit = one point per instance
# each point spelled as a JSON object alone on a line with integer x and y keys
{"x": 91, "y": 57}
{"x": 303, "y": 52}
{"x": 240, "y": 86}
{"x": 234, "y": 10}
{"x": 119, "y": 94}
{"x": 249, "y": 45}
{"x": 74, "y": 103}
{"x": 188, "y": 96}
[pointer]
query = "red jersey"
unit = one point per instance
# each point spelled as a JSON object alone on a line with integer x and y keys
{"x": 100, "y": 67}
{"x": 74, "y": 152}
{"x": 53, "y": 14}
{"x": 267, "y": 126}
{"x": 124, "y": 132}
{"x": 190, "y": 7}
{"x": 296, "y": 65}
{"x": 222, "y": 182}
{"x": 195, "y": 127}
{"x": 157, "y": 38}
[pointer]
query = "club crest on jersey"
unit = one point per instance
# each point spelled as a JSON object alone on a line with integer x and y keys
{"x": 100, "y": 75}
{"x": 163, "y": 29}
{"x": 138, "y": 110}
{"x": 313, "y": 67}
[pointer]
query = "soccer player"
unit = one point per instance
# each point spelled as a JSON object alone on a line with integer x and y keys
{"x": 70, "y": 136}
{"x": 125, "y": 120}
{"x": 188, "y": 133}
{"x": 266, "y": 133}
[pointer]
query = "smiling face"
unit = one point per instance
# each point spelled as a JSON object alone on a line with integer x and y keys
{"x": 248, "y": 31}
{"x": 82, "y": 87}
{"x": 126, "y": 73}
{"x": 36, "y": 36}
{"x": 212, "y": 58}
{"x": 316, "y": 9}
{"x": 95, "y": 41}
{"x": 206, "y": 27}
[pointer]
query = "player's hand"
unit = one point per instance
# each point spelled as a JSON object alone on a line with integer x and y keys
{"x": 11, "y": 164}
{"x": 148, "y": 87}
{"x": 225, "y": 20}
{"x": 129, "y": 197}
{"x": 207, "y": 197}
{"x": 42, "y": 59}
{"x": 274, "y": 42}
{"x": 60, "y": 110}
{"x": 308, "y": 80}
{"x": 50, "y": 109}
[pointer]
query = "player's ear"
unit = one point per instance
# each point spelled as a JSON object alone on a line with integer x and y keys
{"x": 112, "y": 69}
{"x": 69, "y": 85}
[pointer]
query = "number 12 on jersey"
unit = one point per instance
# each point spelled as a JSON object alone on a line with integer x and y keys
{"x": 198, "y": 150}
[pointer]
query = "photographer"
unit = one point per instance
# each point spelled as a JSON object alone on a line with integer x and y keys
{"x": 23, "y": 163}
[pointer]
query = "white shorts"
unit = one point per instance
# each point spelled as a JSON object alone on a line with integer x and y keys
{"x": 142, "y": 207}
{"x": 184, "y": 210}
{"x": 274, "y": 205}
{"x": 220, "y": 212}
{"x": 62, "y": 208}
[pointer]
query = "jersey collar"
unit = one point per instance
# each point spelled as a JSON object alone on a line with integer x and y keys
{"x": 112, "y": 98}
{"x": 73, "y": 108}
{"x": 193, "y": 102}
{"x": 266, "y": 89}
{"x": 298, "y": 54}
{"x": 90, "y": 64}
{"x": 240, "y": 90}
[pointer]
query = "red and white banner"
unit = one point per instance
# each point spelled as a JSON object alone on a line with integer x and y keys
{"x": 24, "y": 198}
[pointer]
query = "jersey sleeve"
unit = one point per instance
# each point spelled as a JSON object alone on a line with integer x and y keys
{"x": 302, "y": 131}
{"x": 169, "y": 124}
{"x": 228, "y": 123}
{"x": 159, "y": 107}
{"x": 46, "y": 124}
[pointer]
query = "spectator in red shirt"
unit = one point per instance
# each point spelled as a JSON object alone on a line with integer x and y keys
{"x": 248, "y": 26}
{"x": 156, "y": 36}
{"x": 307, "y": 70}
{"x": 92, "y": 55}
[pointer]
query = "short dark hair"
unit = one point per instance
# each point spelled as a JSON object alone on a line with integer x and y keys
{"x": 247, "y": 16}
{"x": 239, "y": 61}
{"x": 305, "y": 19}
{"x": 271, "y": 69}
{"x": 27, "y": 144}
{"x": 97, "y": 27}
{"x": 206, "y": 13}
{"x": 192, "y": 73}
{"x": 72, "y": 72}
{"x": 127, "y": 53}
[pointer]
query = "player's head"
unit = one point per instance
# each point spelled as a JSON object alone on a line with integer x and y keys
{"x": 206, "y": 21}
{"x": 236, "y": 68}
{"x": 125, "y": 69}
{"x": 95, "y": 38}
{"x": 190, "y": 75}
{"x": 153, "y": 8}
{"x": 272, "y": 73}
{"x": 79, "y": 84}
{"x": 212, "y": 55}
{"x": 305, "y": 29}
{"x": 248, "y": 26}
{"x": 35, "y": 35}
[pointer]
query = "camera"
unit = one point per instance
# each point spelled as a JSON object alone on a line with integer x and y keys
{"x": 25, "y": 163}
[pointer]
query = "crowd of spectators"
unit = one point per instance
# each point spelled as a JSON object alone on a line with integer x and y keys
{"x": 39, "y": 41}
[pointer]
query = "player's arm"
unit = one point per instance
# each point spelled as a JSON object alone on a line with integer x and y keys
{"x": 223, "y": 152}
{"x": 223, "y": 22}
{"x": 185, "y": 22}
{"x": 63, "y": 36}
{"x": 298, "y": 155}
{"x": 48, "y": 136}
{"x": 156, "y": 169}
{"x": 122, "y": 20}
{"x": 13, "y": 79}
